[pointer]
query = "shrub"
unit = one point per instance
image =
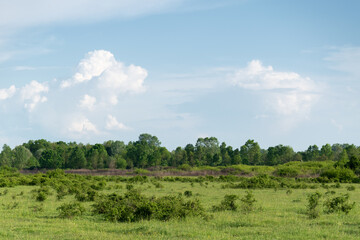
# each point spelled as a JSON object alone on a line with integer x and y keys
{"x": 188, "y": 193}
{"x": 339, "y": 174}
{"x": 41, "y": 196}
{"x": 338, "y": 204}
{"x": 133, "y": 206}
{"x": 313, "y": 203}
{"x": 41, "y": 193}
{"x": 286, "y": 171}
{"x": 129, "y": 187}
{"x": 351, "y": 188}
{"x": 227, "y": 204}
{"x": 70, "y": 210}
{"x": 169, "y": 207}
{"x": 184, "y": 167}
{"x": 248, "y": 202}
{"x": 158, "y": 185}
{"x": 87, "y": 195}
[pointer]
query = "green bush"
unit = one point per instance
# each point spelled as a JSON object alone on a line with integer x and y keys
{"x": 313, "y": 205}
{"x": 70, "y": 210}
{"x": 227, "y": 204}
{"x": 248, "y": 202}
{"x": 184, "y": 167}
{"x": 188, "y": 193}
{"x": 339, "y": 174}
{"x": 41, "y": 193}
{"x": 286, "y": 171}
{"x": 86, "y": 195}
{"x": 338, "y": 204}
{"x": 133, "y": 206}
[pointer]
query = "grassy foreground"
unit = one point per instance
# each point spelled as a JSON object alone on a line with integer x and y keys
{"x": 279, "y": 214}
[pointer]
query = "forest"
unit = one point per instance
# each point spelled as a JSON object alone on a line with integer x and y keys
{"x": 147, "y": 152}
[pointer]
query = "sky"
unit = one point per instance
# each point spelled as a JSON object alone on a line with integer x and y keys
{"x": 279, "y": 72}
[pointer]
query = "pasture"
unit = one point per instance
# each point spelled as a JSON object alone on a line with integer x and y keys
{"x": 278, "y": 213}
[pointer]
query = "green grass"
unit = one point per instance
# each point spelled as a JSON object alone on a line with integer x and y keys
{"x": 278, "y": 215}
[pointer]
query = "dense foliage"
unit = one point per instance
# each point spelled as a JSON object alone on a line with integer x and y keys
{"x": 147, "y": 152}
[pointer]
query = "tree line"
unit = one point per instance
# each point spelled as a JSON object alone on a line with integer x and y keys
{"x": 147, "y": 152}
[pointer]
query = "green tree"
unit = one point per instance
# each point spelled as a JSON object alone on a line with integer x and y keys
{"x": 250, "y": 153}
{"x": 326, "y": 152}
{"x": 144, "y": 152}
{"x": 225, "y": 154}
{"x": 77, "y": 158}
{"x": 312, "y": 153}
{"x": 343, "y": 160}
{"x": 279, "y": 155}
{"x": 205, "y": 149}
{"x": 190, "y": 154}
{"x": 115, "y": 147}
{"x": 50, "y": 159}
{"x": 6, "y": 156}
{"x": 97, "y": 157}
{"x": 21, "y": 157}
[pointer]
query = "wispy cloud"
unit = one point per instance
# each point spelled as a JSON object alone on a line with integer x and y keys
{"x": 24, "y": 68}
{"x": 20, "y": 13}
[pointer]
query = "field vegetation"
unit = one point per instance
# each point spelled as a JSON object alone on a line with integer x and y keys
{"x": 209, "y": 190}
{"x": 56, "y": 205}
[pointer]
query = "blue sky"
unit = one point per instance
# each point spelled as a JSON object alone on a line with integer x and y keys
{"x": 279, "y": 72}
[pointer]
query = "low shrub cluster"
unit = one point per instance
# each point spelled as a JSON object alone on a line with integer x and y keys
{"x": 70, "y": 210}
{"x": 227, "y": 204}
{"x": 338, "y": 204}
{"x": 134, "y": 206}
{"x": 335, "y": 204}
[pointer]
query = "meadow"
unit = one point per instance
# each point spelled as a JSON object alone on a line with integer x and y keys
{"x": 29, "y": 208}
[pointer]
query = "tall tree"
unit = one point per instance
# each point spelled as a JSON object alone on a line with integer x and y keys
{"x": 250, "y": 153}
{"x": 6, "y": 156}
{"x": 21, "y": 157}
{"x": 77, "y": 158}
{"x": 205, "y": 149}
{"x": 326, "y": 152}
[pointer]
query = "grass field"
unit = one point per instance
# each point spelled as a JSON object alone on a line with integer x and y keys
{"x": 279, "y": 214}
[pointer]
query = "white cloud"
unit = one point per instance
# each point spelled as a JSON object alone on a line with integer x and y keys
{"x": 258, "y": 77}
{"x": 23, "y": 68}
{"x": 108, "y": 78}
{"x": 285, "y": 92}
{"x": 123, "y": 79}
{"x": 20, "y": 13}
{"x": 7, "y": 93}
{"x": 113, "y": 124}
{"x": 82, "y": 126}
{"x": 93, "y": 65}
{"x": 32, "y": 94}
{"x": 88, "y": 102}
